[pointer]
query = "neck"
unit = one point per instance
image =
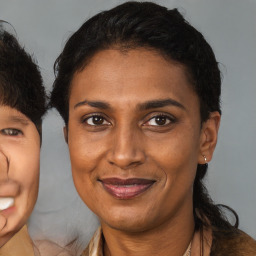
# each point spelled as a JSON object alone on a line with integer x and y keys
{"x": 171, "y": 238}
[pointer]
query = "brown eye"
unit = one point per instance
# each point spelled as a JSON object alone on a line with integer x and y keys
{"x": 11, "y": 132}
{"x": 159, "y": 120}
{"x": 96, "y": 120}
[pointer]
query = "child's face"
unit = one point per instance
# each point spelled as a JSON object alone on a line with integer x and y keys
{"x": 19, "y": 170}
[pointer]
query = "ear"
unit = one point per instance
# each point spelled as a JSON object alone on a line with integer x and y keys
{"x": 208, "y": 137}
{"x": 65, "y": 132}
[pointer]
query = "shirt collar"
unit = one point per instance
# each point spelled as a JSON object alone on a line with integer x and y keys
{"x": 95, "y": 247}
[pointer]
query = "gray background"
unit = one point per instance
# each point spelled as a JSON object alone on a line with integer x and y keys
{"x": 229, "y": 26}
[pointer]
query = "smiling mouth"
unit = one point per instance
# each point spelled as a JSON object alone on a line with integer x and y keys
{"x": 6, "y": 202}
{"x": 126, "y": 188}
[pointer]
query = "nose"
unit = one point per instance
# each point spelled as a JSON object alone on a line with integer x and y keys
{"x": 126, "y": 148}
{"x": 4, "y": 166}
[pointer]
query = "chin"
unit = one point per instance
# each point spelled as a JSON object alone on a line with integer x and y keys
{"x": 131, "y": 226}
{"x": 13, "y": 225}
{"x": 16, "y": 219}
{"x": 127, "y": 226}
{"x": 128, "y": 222}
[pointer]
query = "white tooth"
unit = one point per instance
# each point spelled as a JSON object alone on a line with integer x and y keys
{"x": 6, "y": 202}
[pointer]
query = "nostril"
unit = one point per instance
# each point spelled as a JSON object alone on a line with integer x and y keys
{"x": 126, "y": 162}
{"x": 111, "y": 162}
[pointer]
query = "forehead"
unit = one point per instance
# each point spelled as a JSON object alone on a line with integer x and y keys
{"x": 9, "y": 114}
{"x": 134, "y": 75}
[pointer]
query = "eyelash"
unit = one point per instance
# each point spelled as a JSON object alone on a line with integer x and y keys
{"x": 11, "y": 132}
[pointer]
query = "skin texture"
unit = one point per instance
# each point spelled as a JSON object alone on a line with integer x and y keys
{"x": 19, "y": 169}
{"x": 123, "y": 138}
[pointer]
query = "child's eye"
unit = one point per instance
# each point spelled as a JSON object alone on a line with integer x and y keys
{"x": 11, "y": 132}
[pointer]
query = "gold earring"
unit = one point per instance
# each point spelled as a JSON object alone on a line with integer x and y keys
{"x": 205, "y": 159}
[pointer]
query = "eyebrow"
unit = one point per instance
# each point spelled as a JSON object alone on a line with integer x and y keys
{"x": 18, "y": 119}
{"x": 143, "y": 106}
{"x": 94, "y": 104}
{"x": 160, "y": 104}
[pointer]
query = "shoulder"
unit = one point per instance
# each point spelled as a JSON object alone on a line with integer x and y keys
{"x": 19, "y": 244}
{"x": 235, "y": 243}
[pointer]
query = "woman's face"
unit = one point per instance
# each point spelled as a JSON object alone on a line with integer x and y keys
{"x": 135, "y": 138}
{"x": 19, "y": 170}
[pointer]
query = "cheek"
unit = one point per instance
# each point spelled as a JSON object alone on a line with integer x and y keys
{"x": 30, "y": 185}
{"x": 24, "y": 167}
{"x": 83, "y": 157}
{"x": 176, "y": 155}
{"x": 85, "y": 152}
{"x": 178, "y": 147}
{"x": 24, "y": 170}
{"x": 32, "y": 174}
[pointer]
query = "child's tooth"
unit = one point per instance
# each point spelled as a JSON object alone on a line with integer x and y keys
{"x": 6, "y": 202}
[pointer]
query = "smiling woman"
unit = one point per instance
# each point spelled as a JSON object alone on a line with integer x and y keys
{"x": 146, "y": 146}
{"x": 22, "y": 105}
{"x": 139, "y": 90}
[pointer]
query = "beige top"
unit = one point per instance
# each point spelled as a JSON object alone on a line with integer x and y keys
{"x": 224, "y": 243}
{"x": 19, "y": 245}
{"x": 95, "y": 247}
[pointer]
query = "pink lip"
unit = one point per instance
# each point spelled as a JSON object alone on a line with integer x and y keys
{"x": 8, "y": 211}
{"x": 126, "y": 188}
